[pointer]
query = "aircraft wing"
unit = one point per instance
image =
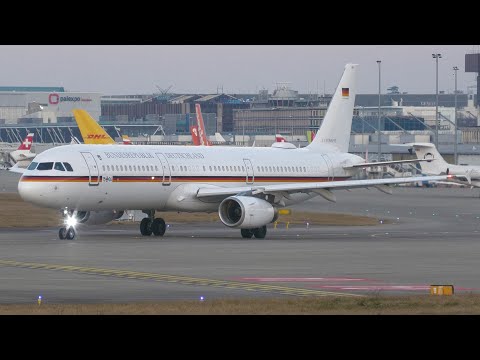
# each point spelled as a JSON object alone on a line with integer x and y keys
{"x": 17, "y": 169}
{"x": 311, "y": 187}
{"x": 385, "y": 163}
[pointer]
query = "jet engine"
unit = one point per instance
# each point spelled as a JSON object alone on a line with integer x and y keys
{"x": 97, "y": 217}
{"x": 246, "y": 212}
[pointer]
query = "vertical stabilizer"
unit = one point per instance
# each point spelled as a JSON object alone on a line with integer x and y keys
{"x": 92, "y": 133}
{"x": 428, "y": 151}
{"x": 201, "y": 127}
{"x": 26, "y": 144}
{"x": 337, "y": 124}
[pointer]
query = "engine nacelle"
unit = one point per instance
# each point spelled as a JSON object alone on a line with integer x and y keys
{"x": 246, "y": 212}
{"x": 97, "y": 217}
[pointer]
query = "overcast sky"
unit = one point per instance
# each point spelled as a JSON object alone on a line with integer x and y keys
{"x": 139, "y": 69}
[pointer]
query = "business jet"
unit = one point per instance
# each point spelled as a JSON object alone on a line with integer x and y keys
{"x": 94, "y": 184}
{"x": 434, "y": 164}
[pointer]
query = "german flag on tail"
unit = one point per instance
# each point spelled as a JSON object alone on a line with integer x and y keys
{"x": 345, "y": 92}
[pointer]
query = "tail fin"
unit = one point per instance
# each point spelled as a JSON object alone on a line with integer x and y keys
{"x": 26, "y": 144}
{"x": 429, "y": 151}
{"x": 337, "y": 124}
{"x": 219, "y": 137}
{"x": 279, "y": 138}
{"x": 201, "y": 127}
{"x": 194, "y": 132}
{"x": 92, "y": 133}
{"x": 126, "y": 140}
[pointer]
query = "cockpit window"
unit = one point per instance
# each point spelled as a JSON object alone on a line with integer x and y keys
{"x": 45, "y": 166}
{"x": 59, "y": 166}
{"x": 68, "y": 166}
{"x": 33, "y": 165}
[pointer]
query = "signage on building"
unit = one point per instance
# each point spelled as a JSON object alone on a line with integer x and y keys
{"x": 54, "y": 99}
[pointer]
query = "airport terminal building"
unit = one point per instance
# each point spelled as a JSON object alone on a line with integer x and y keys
{"x": 47, "y": 105}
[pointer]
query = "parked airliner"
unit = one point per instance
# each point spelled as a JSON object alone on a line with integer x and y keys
{"x": 22, "y": 156}
{"x": 94, "y": 184}
{"x": 434, "y": 164}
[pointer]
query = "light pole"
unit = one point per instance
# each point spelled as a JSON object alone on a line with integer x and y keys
{"x": 436, "y": 57}
{"x": 455, "y": 155}
{"x": 379, "y": 88}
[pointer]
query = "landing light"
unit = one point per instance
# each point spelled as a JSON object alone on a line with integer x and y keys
{"x": 70, "y": 221}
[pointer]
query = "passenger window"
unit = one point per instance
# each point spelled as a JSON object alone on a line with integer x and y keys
{"x": 68, "y": 166}
{"x": 59, "y": 166}
{"x": 130, "y": 167}
{"x": 156, "y": 167}
{"x": 103, "y": 167}
{"x": 143, "y": 168}
{"x": 243, "y": 168}
{"x": 210, "y": 168}
{"x": 173, "y": 168}
{"x": 215, "y": 168}
{"x": 32, "y": 166}
{"x": 203, "y": 167}
{"x": 223, "y": 168}
{"x": 45, "y": 166}
{"x": 304, "y": 169}
{"x": 121, "y": 167}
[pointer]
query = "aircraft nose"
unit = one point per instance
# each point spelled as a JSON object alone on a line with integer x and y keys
{"x": 27, "y": 191}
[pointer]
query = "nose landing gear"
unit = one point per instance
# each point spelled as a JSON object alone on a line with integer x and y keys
{"x": 67, "y": 233}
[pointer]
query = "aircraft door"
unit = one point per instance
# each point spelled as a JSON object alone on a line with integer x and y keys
{"x": 92, "y": 168}
{"x": 250, "y": 175}
{"x": 329, "y": 163}
{"x": 167, "y": 175}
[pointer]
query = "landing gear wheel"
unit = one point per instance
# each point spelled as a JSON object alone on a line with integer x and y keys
{"x": 260, "y": 232}
{"x": 158, "y": 227}
{"x": 70, "y": 234}
{"x": 246, "y": 233}
{"x": 146, "y": 227}
{"x": 62, "y": 233}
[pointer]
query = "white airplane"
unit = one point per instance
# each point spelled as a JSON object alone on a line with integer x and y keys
{"x": 434, "y": 164}
{"x": 94, "y": 184}
{"x": 23, "y": 152}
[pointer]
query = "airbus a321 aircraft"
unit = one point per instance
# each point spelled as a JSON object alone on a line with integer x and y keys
{"x": 94, "y": 184}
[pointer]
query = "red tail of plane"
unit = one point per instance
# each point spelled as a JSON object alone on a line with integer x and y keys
{"x": 279, "y": 138}
{"x": 26, "y": 144}
{"x": 194, "y": 132}
{"x": 126, "y": 140}
{"x": 201, "y": 127}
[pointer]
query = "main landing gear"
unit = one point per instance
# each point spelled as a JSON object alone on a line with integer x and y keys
{"x": 151, "y": 225}
{"x": 259, "y": 233}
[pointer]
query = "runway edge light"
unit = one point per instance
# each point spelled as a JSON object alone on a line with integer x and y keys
{"x": 441, "y": 290}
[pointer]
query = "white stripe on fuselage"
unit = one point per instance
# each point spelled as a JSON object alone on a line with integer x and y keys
{"x": 132, "y": 176}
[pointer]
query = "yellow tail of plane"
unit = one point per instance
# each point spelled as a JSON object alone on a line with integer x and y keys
{"x": 92, "y": 133}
